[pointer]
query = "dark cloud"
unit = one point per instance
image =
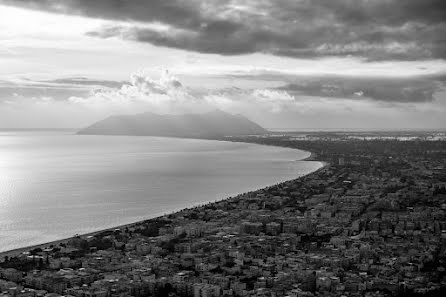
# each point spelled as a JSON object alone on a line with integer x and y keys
{"x": 388, "y": 12}
{"x": 386, "y": 90}
{"x": 85, "y": 82}
{"x": 374, "y": 30}
{"x": 222, "y": 37}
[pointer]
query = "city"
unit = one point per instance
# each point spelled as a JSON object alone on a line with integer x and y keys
{"x": 372, "y": 222}
{"x": 222, "y": 148}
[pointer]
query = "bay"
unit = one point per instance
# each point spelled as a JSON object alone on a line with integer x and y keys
{"x": 54, "y": 184}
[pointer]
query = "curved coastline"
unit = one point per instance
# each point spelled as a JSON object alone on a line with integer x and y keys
{"x": 311, "y": 157}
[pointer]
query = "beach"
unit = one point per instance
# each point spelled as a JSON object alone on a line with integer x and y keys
{"x": 73, "y": 204}
{"x": 16, "y": 252}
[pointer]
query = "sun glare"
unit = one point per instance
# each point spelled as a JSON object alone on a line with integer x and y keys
{"x": 42, "y": 24}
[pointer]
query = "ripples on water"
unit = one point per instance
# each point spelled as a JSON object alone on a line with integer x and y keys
{"x": 54, "y": 184}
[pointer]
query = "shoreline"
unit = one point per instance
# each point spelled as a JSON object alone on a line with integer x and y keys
{"x": 18, "y": 251}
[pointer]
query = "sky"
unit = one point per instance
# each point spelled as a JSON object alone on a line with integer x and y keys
{"x": 294, "y": 64}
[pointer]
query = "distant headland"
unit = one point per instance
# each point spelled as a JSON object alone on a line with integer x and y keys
{"x": 212, "y": 124}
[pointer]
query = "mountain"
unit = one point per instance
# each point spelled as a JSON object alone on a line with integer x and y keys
{"x": 207, "y": 125}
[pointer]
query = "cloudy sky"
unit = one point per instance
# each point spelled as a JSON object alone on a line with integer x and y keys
{"x": 283, "y": 63}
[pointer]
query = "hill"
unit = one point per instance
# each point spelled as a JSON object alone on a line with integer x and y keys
{"x": 207, "y": 125}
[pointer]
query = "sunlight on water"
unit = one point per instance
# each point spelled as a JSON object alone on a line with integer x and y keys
{"x": 54, "y": 185}
{"x": 8, "y": 159}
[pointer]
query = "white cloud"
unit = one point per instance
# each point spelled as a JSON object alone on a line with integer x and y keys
{"x": 166, "y": 94}
{"x": 143, "y": 93}
{"x": 276, "y": 100}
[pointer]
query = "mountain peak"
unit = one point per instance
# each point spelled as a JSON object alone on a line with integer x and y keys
{"x": 218, "y": 112}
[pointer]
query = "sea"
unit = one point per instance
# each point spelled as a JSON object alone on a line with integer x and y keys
{"x": 55, "y": 184}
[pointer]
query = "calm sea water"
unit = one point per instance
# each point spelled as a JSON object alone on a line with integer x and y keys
{"x": 54, "y": 184}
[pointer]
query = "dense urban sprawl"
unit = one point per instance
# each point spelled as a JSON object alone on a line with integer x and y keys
{"x": 370, "y": 223}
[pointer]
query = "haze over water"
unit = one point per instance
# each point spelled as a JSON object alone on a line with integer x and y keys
{"x": 54, "y": 184}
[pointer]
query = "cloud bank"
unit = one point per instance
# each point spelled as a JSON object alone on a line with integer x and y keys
{"x": 298, "y": 104}
{"x": 373, "y": 30}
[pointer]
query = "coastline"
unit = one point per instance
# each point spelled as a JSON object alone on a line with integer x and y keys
{"x": 311, "y": 157}
{"x": 18, "y": 251}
